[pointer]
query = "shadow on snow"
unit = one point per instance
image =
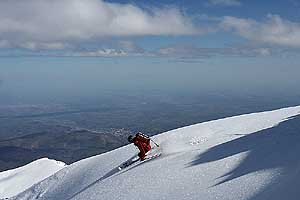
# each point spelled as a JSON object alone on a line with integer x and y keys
{"x": 276, "y": 147}
{"x": 107, "y": 175}
{"x": 111, "y": 173}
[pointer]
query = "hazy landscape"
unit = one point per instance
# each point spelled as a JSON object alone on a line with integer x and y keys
{"x": 70, "y": 132}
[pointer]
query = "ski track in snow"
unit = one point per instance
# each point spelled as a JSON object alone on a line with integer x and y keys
{"x": 230, "y": 158}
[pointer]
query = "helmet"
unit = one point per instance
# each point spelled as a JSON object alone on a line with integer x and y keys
{"x": 130, "y": 137}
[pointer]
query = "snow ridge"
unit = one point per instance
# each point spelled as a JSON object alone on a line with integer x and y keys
{"x": 14, "y": 181}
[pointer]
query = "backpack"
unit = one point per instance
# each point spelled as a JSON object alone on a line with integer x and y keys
{"x": 142, "y": 137}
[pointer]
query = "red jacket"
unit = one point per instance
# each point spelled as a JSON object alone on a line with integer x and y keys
{"x": 143, "y": 145}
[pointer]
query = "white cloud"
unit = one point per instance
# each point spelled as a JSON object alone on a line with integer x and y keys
{"x": 189, "y": 51}
{"x": 42, "y": 45}
{"x": 102, "y": 53}
{"x": 274, "y": 31}
{"x": 263, "y": 51}
{"x": 225, "y": 2}
{"x": 130, "y": 46}
{"x": 42, "y": 22}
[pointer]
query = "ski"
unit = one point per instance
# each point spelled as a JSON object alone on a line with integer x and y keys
{"x": 131, "y": 162}
{"x": 128, "y": 163}
{"x": 149, "y": 157}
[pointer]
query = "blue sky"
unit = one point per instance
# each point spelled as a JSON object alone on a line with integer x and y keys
{"x": 247, "y": 8}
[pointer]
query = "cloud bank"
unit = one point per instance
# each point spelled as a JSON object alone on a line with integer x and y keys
{"x": 99, "y": 28}
{"x": 193, "y": 52}
{"x": 44, "y": 24}
{"x": 274, "y": 30}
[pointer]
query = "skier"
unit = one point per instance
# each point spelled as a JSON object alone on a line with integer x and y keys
{"x": 142, "y": 141}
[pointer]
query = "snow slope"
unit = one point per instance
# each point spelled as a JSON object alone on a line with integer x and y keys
{"x": 14, "y": 181}
{"x": 252, "y": 156}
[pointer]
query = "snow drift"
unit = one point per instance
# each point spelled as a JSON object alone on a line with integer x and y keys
{"x": 14, "y": 181}
{"x": 252, "y": 156}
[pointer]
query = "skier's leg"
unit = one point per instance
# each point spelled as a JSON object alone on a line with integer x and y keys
{"x": 142, "y": 154}
{"x": 149, "y": 145}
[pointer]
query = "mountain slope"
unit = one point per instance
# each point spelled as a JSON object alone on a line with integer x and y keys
{"x": 238, "y": 157}
{"x": 17, "y": 180}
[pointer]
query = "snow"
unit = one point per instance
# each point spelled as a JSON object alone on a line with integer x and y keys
{"x": 15, "y": 181}
{"x": 252, "y": 156}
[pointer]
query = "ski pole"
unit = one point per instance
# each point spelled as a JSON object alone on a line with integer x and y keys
{"x": 154, "y": 142}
